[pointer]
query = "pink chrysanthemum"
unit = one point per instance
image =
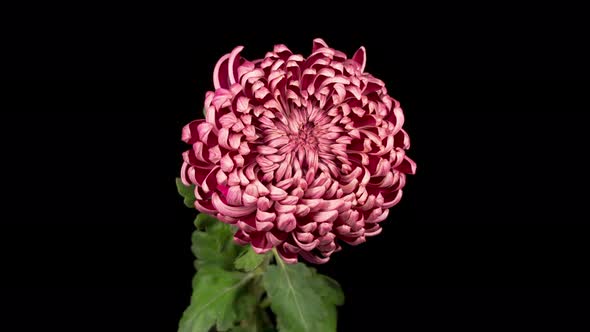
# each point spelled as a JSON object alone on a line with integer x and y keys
{"x": 298, "y": 153}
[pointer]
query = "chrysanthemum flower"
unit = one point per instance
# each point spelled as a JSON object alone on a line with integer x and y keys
{"x": 299, "y": 153}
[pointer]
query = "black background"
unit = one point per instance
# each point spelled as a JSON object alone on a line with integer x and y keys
{"x": 491, "y": 232}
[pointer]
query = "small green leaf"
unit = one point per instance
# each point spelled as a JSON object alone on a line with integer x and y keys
{"x": 249, "y": 260}
{"x": 212, "y": 303}
{"x": 187, "y": 192}
{"x": 302, "y": 300}
{"x": 215, "y": 244}
{"x": 202, "y": 221}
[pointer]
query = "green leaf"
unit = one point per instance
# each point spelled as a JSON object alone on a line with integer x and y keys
{"x": 332, "y": 294}
{"x": 247, "y": 315}
{"x": 214, "y": 245}
{"x": 302, "y": 300}
{"x": 202, "y": 221}
{"x": 246, "y": 306}
{"x": 256, "y": 321}
{"x": 187, "y": 192}
{"x": 212, "y": 303}
{"x": 252, "y": 317}
{"x": 328, "y": 288}
{"x": 249, "y": 260}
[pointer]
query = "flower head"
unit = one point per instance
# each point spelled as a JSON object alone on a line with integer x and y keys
{"x": 299, "y": 153}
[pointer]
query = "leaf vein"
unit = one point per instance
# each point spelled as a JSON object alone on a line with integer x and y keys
{"x": 291, "y": 288}
{"x": 225, "y": 291}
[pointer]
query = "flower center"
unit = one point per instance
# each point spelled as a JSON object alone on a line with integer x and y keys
{"x": 304, "y": 137}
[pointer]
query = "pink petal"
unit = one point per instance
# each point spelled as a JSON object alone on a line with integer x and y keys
{"x": 302, "y": 210}
{"x": 407, "y": 166}
{"x": 234, "y": 196}
{"x": 189, "y": 132}
{"x": 360, "y": 57}
{"x": 275, "y": 239}
{"x": 276, "y": 193}
{"x": 289, "y": 258}
{"x": 231, "y": 211}
{"x": 260, "y": 244}
{"x": 306, "y": 246}
{"x": 220, "y": 73}
{"x": 325, "y": 216}
{"x": 324, "y": 228}
{"x": 265, "y": 216}
{"x": 317, "y": 44}
{"x": 226, "y": 163}
{"x": 314, "y": 258}
{"x": 233, "y": 64}
{"x": 263, "y": 204}
{"x": 286, "y": 222}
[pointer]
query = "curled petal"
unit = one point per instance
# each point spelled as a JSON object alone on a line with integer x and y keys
{"x": 325, "y": 216}
{"x": 314, "y": 258}
{"x": 286, "y": 222}
{"x": 317, "y": 44}
{"x": 265, "y": 216}
{"x": 232, "y": 211}
{"x": 220, "y": 73}
{"x": 233, "y": 63}
{"x": 260, "y": 244}
{"x": 189, "y": 132}
{"x": 360, "y": 56}
{"x": 288, "y": 257}
{"x": 407, "y": 166}
{"x": 306, "y": 246}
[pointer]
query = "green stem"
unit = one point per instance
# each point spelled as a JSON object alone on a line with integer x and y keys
{"x": 264, "y": 265}
{"x": 278, "y": 258}
{"x": 260, "y": 320}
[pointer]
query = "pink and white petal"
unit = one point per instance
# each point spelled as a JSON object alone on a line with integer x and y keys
{"x": 407, "y": 166}
{"x": 360, "y": 57}
{"x": 315, "y": 259}
{"x": 288, "y": 257}
{"x": 190, "y": 131}
{"x": 231, "y": 211}
{"x": 220, "y": 73}
{"x": 317, "y": 44}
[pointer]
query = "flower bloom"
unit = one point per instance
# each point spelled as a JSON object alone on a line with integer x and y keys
{"x": 298, "y": 153}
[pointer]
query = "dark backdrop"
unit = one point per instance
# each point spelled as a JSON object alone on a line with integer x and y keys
{"x": 490, "y": 233}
